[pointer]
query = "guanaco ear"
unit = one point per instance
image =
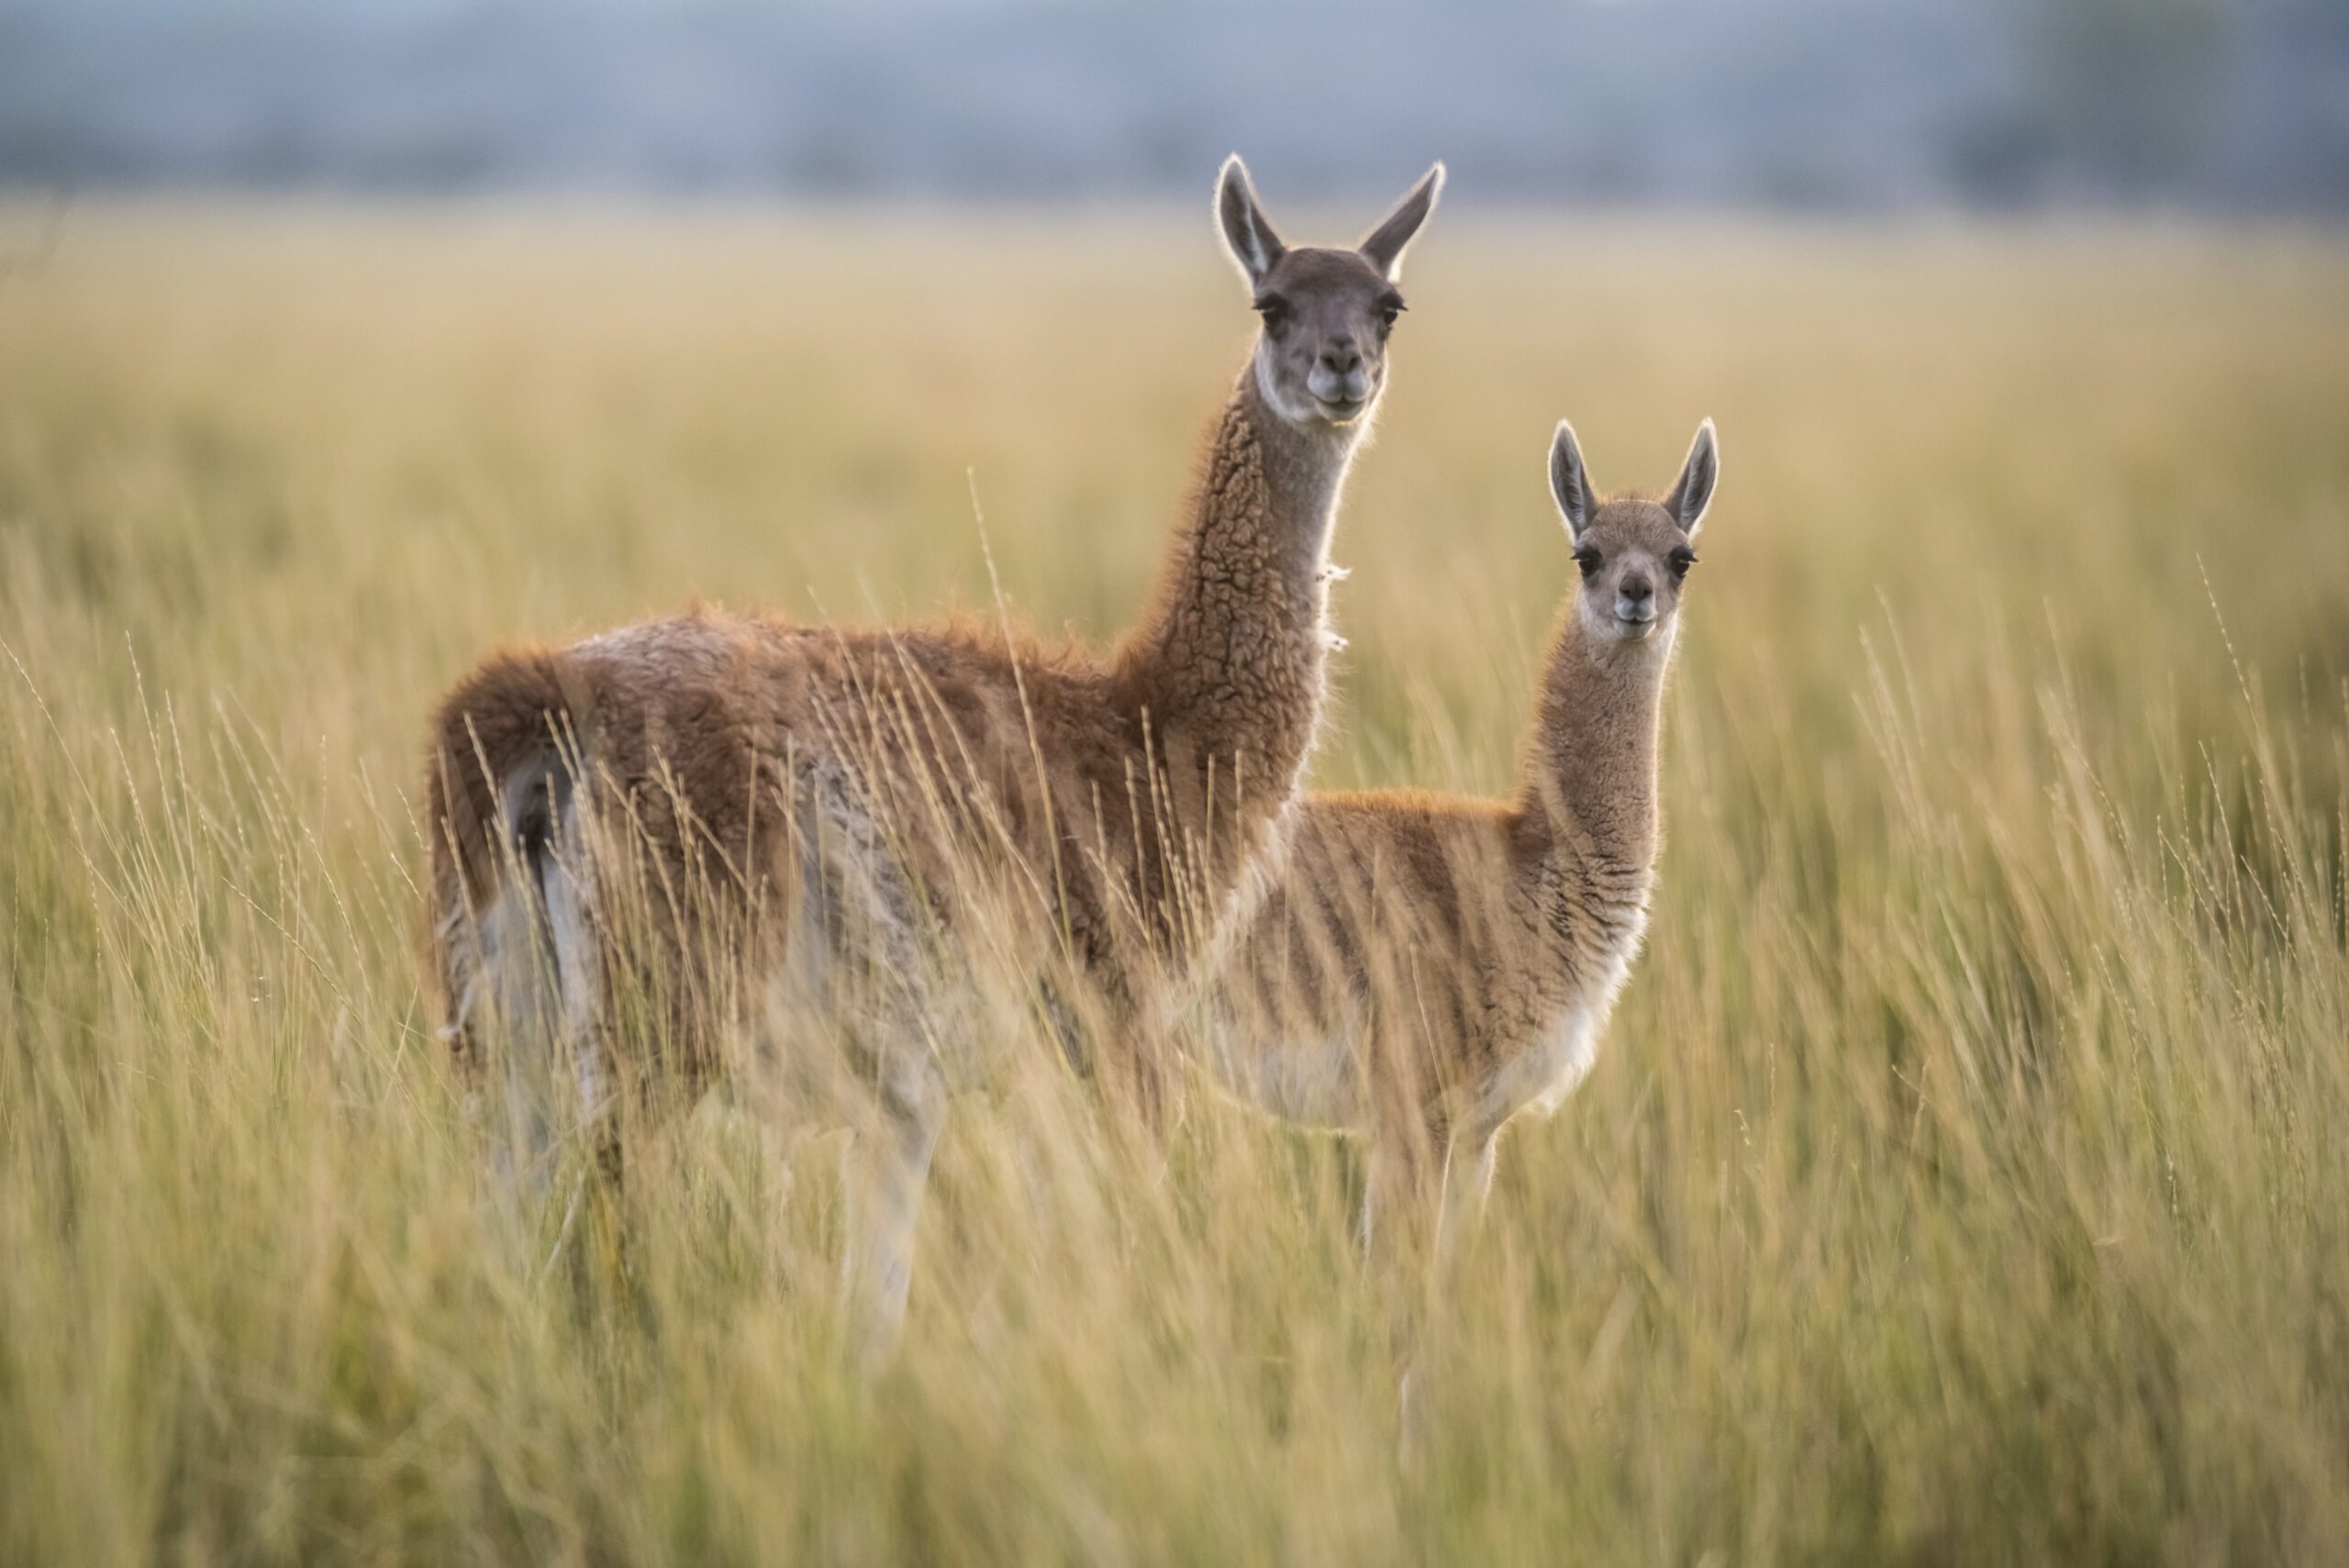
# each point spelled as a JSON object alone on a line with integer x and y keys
{"x": 1385, "y": 248}
{"x": 1569, "y": 483}
{"x": 1246, "y": 232}
{"x": 1697, "y": 476}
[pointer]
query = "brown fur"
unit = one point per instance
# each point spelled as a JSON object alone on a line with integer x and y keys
{"x": 1127, "y": 797}
{"x": 1143, "y": 783}
{"x": 1444, "y": 930}
{"x": 748, "y": 830}
{"x": 1427, "y": 965}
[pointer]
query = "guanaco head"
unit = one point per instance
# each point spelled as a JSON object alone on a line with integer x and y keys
{"x": 1321, "y": 357}
{"x": 1633, "y": 553}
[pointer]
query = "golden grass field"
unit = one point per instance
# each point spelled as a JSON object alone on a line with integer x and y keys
{"x": 1964, "y": 1179}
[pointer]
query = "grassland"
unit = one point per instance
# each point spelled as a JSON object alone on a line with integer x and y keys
{"x": 1967, "y": 1178}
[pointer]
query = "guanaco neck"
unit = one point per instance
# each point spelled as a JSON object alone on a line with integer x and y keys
{"x": 1227, "y": 668}
{"x": 1587, "y": 791}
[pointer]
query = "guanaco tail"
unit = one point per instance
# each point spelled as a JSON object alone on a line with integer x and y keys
{"x": 728, "y": 844}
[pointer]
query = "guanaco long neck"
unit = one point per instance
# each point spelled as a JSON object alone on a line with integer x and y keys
{"x": 1228, "y": 666}
{"x": 1588, "y": 788}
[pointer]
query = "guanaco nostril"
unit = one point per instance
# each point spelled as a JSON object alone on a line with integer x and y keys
{"x": 1636, "y": 588}
{"x": 1341, "y": 361}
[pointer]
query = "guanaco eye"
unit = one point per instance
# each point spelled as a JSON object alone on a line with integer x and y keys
{"x": 1590, "y": 561}
{"x": 1389, "y": 308}
{"x": 1275, "y": 310}
{"x": 1680, "y": 561}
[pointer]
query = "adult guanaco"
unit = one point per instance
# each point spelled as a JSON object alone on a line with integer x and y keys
{"x": 726, "y": 842}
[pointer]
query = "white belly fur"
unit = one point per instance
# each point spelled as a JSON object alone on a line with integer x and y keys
{"x": 1317, "y": 1081}
{"x": 1553, "y": 1064}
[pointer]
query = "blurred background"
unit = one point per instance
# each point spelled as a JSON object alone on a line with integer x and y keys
{"x": 1837, "y": 105}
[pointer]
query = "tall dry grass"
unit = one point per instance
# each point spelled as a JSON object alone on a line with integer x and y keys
{"x": 1966, "y": 1178}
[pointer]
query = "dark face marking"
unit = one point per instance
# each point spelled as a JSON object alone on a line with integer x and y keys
{"x": 1633, "y": 554}
{"x": 1633, "y": 557}
{"x": 1321, "y": 360}
{"x": 1327, "y": 316}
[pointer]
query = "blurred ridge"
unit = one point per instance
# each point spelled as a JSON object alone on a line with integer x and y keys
{"x": 1833, "y": 104}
